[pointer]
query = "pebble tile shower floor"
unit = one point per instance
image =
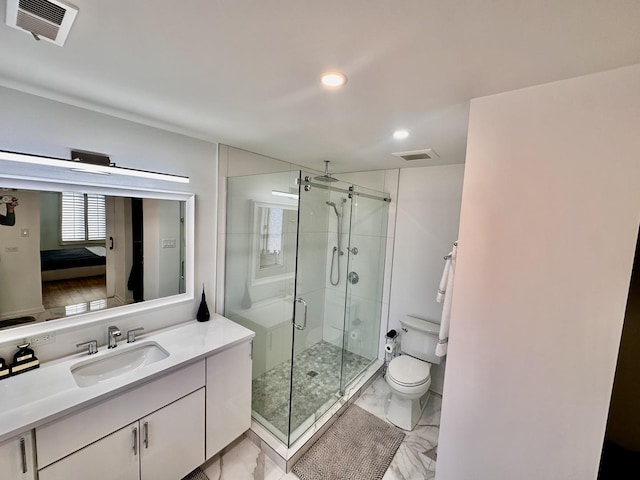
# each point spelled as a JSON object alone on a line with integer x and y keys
{"x": 316, "y": 380}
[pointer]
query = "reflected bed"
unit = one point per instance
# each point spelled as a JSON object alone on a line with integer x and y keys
{"x": 69, "y": 263}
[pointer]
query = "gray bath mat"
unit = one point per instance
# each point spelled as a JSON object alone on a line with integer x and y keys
{"x": 358, "y": 446}
{"x": 197, "y": 474}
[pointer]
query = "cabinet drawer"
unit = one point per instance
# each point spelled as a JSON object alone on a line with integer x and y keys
{"x": 112, "y": 458}
{"x": 72, "y": 432}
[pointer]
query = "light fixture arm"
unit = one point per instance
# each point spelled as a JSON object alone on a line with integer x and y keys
{"x": 111, "y": 169}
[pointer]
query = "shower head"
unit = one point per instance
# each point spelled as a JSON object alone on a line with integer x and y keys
{"x": 326, "y": 177}
{"x": 335, "y": 209}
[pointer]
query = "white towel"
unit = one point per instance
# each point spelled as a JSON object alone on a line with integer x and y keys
{"x": 442, "y": 288}
{"x": 443, "y": 337}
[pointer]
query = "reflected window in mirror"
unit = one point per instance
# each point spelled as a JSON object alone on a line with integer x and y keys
{"x": 82, "y": 217}
{"x": 74, "y": 252}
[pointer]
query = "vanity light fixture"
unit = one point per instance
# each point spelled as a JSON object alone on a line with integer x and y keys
{"x": 89, "y": 168}
{"x": 278, "y": 193}
{"x": 333, "y": 79}
{"x": 400, "y": 134}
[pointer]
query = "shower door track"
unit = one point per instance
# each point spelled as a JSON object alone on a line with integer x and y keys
{"x": 307, "y": 182}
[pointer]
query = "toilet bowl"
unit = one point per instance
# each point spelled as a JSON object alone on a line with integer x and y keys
{"x": 409, "y": 375}
{"x": 409, "y": 380}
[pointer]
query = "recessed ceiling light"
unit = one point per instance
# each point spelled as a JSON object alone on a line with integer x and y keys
{"x": 333, "y": 79}
{"x": 400, "y": 134}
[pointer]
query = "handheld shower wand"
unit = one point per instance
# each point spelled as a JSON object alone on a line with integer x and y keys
{"x": 337, "y": 248}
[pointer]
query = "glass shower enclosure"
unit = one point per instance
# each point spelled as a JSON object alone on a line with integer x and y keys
{"x": 304, "y": 269}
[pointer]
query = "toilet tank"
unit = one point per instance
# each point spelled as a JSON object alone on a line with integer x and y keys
{"x": 419, "y": 338}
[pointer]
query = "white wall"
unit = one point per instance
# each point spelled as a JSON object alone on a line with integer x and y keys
{"x": 151, "y": 248}
{"x": 50, "y": 221}
{"x": 161, "y": 221}
{"x": 32, "y": 124}
{"x": 427, "y": 221}
{"x": 169, "y": 257}
{"x": 20, "y": 288}
{"x": 549, "y": 220}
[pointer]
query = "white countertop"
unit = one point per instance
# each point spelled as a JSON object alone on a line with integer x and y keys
{"x": 49, "y": 392}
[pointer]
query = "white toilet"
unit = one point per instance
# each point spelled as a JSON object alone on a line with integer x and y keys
{"x": 409, "y": 374}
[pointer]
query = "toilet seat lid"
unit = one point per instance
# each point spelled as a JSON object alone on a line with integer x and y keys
{"x": 409, "y": 371}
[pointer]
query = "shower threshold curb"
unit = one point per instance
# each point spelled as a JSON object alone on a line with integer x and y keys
{"x": 285, "y": 457}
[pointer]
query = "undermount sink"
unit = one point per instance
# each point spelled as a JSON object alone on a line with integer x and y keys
{"x": 119, "y": 362}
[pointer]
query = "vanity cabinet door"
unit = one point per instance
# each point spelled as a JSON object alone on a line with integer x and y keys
{"x": 16, "y": 458}
{"x": 115, "y": 457}
{"x": 228, "y": 396}
{"x": 172, "y": 439}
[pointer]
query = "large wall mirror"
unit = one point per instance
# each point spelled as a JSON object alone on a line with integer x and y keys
{"x": 68, "y": 251}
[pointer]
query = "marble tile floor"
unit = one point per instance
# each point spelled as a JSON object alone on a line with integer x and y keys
{"x": 414, "y": 460}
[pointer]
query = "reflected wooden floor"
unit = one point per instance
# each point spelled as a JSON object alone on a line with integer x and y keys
{"x": 60, "y": 293}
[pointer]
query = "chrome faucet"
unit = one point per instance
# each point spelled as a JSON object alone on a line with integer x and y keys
{"x": 112, "y": 334}
{"x": 92, "y": 346}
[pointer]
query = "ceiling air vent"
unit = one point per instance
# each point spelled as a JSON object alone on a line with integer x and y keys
{"x": 424, "y": 154}
{"x": 48, "y": 20}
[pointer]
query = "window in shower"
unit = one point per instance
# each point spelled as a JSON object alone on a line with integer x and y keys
{"x": 273, "y": 255}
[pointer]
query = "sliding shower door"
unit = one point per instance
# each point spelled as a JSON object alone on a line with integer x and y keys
{"x": 364, "y": 277}
{"x": 317, "y": 349}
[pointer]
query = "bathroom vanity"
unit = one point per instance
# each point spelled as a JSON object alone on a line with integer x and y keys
{"x": 153, "y": 409}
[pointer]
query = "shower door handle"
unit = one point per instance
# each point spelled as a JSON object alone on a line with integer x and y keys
{"x": 304, "y": 325}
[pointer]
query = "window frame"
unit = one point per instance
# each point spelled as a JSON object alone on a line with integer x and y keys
{"x": 85, "y": 240}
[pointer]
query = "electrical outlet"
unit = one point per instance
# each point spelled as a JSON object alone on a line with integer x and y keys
{"x": 42, "y": 339}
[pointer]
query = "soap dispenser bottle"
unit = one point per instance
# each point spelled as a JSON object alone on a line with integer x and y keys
{"x": 24, "y": 360}
{"x": 203, "y": 310}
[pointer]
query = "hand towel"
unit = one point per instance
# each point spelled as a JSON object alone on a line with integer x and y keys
{"x": 442, "y": 288}
{"x": 443, "y": 337}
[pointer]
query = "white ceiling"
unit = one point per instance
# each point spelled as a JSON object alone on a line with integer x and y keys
{"x": 246, "y": 73}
